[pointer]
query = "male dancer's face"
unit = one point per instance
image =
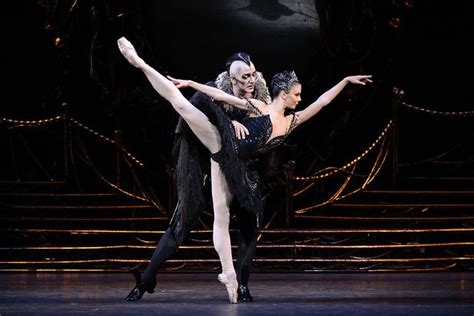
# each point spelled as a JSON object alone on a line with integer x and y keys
{"x": 242, "y": 77}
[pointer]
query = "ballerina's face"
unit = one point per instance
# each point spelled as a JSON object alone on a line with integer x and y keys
{"x": 293, "y": 96}
{"x": 243, "y": 77}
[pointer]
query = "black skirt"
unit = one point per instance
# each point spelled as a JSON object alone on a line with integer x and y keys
{"x": 192, "y": 161}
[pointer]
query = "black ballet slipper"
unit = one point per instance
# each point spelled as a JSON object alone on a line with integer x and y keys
{"x": 243, "y": 294}
{"x": 140, "y": 288}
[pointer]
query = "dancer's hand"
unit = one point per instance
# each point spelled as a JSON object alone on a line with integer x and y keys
{"x": 179, "y": 83}
{"x": 240, "y": 130}
{"x": 360, "y": 79}
{"x": 129, "y": 52}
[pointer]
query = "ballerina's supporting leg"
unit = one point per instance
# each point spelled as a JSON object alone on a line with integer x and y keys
{"x": 221, "y": 198}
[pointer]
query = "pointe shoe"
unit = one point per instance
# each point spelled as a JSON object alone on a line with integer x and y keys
{"x": 140, "y": 288}
{"x": 243, "y": 294}
{"x": 129, "y": 52}
{"x": 230, "y": 282}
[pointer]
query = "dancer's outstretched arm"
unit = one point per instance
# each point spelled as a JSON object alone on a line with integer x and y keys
{"x": 218, "y": 94}
{"x": 329, "y": 95}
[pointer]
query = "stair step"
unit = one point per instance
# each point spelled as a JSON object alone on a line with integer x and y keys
{"x": 265, "y": 231}
{"x": 259, "y": 246}
{"x": 81, "y": 207}
{"x": 421, "y": 192}
{"x": 58, "y": 195}
{"x": 404, "y": 205}
{"x": 83, "y": 219}
{"x": 46, "y": 182}
{"x": 431, "y": 178}
{"x": 387, "y": 218}
{"x": 257, "y": 260}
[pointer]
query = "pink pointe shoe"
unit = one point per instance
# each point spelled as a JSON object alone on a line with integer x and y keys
{"x": 230, "y": 282}
{"x": 129, "y": 52}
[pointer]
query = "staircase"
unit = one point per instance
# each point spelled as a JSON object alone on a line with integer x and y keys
{"x": 45, "y": 227}
{"x": 395, "y": 230}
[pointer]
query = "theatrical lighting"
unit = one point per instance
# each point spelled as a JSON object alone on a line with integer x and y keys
{"x": 404, "y": 3}
{"x": 58, "y": 42}
{"x": 408, "y": 3}
{"x": 398, "y": 91}
{"x": 394, "y": 23}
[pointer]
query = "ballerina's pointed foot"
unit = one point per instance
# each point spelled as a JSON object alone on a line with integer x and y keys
{"x": 129, "y": 52}
{"x": 140, "y": 288}
{"x": 231, "y": 284}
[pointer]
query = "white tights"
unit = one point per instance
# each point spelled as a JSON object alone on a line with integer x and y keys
{"x": 221, "y": 198}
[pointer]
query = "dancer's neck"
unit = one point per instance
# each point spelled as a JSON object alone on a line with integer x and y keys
{"x": 278, "y": 105}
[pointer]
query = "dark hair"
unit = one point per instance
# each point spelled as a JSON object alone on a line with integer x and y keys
{"x": 236, "y": 57}
{"x": 283, "y": 81}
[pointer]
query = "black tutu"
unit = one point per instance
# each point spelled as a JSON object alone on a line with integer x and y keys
{"x": 192, "y": 161}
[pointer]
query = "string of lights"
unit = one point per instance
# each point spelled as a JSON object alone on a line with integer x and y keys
{"x": 377, "y": 166}
{"x": 439, "y": 113}
{"x": 107, "y": 139}
{"x": 36, "y": 123}
{"x": 89, "y": 162}
{"x": 325, "y": 173}
{"x": 31, "y": 123}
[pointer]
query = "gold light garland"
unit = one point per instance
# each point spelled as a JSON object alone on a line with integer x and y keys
{"x": 434, "y": 112}
{"x": 34, "y": 123}
{"x": 323, "y": 174}
{"x": 109, "y": 140}
{"x": 377, "y": 166}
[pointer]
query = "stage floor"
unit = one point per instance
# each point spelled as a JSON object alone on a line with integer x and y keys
{"x": 440, "y": 293}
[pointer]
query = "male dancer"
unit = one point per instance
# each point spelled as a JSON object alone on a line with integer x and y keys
{"x": 192, "y": 170}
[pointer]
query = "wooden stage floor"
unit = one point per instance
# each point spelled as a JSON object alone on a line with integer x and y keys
{"x": 439, "y": 293}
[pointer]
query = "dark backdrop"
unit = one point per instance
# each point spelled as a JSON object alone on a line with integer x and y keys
{"x": 58, "y": 53}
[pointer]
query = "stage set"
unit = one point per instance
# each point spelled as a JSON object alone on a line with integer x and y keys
{"x": 367, "y": 207}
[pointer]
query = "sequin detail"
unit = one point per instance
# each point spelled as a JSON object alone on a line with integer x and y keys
{"x": 258, "y": 141}
{"x": 252, "y": 108}
{"x": 294, "y": 122}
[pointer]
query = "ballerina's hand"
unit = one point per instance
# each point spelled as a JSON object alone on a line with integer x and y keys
{"x": 129, "y": 52}
{"x": 360, "y": 79}
{"x": 179, "y": 83}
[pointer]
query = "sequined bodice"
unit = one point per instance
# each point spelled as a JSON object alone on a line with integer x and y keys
{"x": 260, "y": 129}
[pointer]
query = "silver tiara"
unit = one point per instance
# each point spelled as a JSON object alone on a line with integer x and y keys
{"x": 284, "y": 81}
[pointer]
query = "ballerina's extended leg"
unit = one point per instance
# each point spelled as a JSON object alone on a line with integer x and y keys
{"x": 208, "y": 134}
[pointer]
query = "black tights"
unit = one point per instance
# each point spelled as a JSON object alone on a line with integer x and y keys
{"x": 166, "y": 247}
{"x": 247, "y": 241}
